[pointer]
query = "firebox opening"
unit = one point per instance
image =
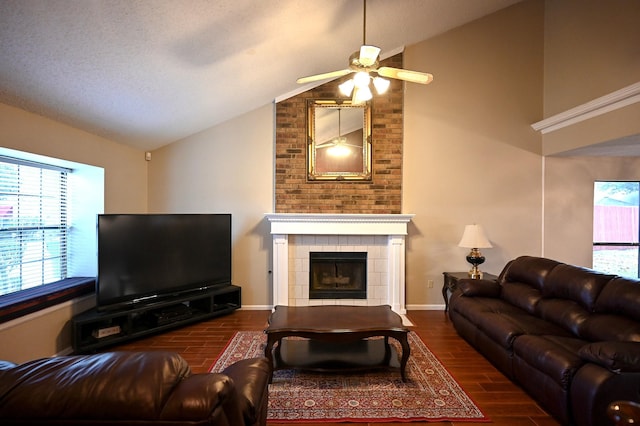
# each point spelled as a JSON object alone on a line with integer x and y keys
{"x": 338, "y": 275}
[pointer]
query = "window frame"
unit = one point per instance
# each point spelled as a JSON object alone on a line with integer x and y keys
{"x": 86, "y": 186}
{"x": 41, "y": 195}
{"x": 617, "y": 243}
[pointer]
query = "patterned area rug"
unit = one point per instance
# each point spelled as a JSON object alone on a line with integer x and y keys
{"x": 430, "y": 394}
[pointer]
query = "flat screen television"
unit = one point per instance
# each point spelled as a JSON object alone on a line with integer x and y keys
{"x": 144, "y": 258}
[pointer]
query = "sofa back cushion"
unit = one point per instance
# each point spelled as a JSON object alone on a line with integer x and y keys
{"x": 529, "y": 270}
{"x": 522, "y": 295}
{"x": 116, "y": 385}
{"x": 523, "y": 279}
{"x": 580, "y": 285}
{"x": 567, "y": 314}
{"x": 621, "y": 296}
{"x": 610, "y": 327}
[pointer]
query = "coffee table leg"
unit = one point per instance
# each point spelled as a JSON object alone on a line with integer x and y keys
{"x": 406, "y": 351}
{"x": 387, "y": 350}
{"x": 268, "y": 352}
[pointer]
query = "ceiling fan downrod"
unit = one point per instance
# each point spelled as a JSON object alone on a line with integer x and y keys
{"x": 364, "y": 22}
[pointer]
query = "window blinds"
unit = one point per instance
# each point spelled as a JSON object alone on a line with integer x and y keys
{"x": 33, "y": 224}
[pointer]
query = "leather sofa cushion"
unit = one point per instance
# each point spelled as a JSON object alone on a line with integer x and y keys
{"x": 599, "y": 327}
{"x": 521, "y": 295}
{"x": 615, "y": 356}
{"x": 557, "y": 357}
{"x": 501, "y": 321}
{"x": 566, "y": 313}
{"x": 620, "y": 296}
{"x": 529, "y": 270}
{"x": 128, "y": 385}
{"x": 575, "y": 283}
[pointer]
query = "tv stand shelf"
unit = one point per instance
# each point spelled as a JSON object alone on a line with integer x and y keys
{"x": 93, "y": 329}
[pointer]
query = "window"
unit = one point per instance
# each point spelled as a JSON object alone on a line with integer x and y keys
{"x": 616, "y": 235}
{"x": 33, "y": 224}
{"x": 48, "y": 210}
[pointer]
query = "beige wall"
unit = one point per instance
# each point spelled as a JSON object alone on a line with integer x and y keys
{"x": 568, "y": 199}
{"x": 125, "y": 168}
{"x": 591, "y": 50}
{"x": 470, "y": 154}
{"x": 48, "y": 332}
{"x": 225, "y": 169}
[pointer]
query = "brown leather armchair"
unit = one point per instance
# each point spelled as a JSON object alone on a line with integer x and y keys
{"x": 141, "y": 388}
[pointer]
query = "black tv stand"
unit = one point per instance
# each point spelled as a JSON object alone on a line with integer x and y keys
{"x": 94, "y": 329}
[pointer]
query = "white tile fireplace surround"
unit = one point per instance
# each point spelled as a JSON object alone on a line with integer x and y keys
{"x": 381, "y": 236}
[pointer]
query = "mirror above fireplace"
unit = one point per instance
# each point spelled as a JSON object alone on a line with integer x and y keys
{"x": 339, "y": 140}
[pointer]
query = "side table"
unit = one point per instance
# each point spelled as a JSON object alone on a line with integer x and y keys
{"x": 451, "y": 282}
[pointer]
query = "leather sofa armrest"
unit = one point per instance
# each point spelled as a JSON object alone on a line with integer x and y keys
{"x": 202, "y": 396}
{"x": 479, "y": 288}
{"x": 251, "y": 377}
{"x": 615, "y": 356}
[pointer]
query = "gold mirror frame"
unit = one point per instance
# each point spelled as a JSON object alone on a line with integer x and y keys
{"x": 332, "y": 123}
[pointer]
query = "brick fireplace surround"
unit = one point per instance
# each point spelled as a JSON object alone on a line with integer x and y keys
{"x": 381, "y": 195}
{"x": 340, "y": 216}
{"x": 382, "y": 236}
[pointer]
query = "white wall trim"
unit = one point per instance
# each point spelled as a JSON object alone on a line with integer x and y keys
{"x": 427, "y": 307}
{"x": 422, "y": 307}
{"x": 602, "y": 105}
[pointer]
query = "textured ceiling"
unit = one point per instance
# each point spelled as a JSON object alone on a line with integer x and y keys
{"x": 149, "y": 72}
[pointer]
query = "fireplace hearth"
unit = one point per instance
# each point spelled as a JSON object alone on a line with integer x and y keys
{"x": 338, "y": 275}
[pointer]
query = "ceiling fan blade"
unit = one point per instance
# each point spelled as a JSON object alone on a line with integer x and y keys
{"x": 325, "y": 145}
{"x": 406, "y": 75}
{"x": 368, "y": 55}
{"x": 325, "y": 76}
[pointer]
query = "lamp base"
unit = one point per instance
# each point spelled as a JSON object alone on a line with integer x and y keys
{"x": 475, "y": 258}
{"x": 475, "y": 273}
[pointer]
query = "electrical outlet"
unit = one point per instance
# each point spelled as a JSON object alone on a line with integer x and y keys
{"x": 429, "y": 283}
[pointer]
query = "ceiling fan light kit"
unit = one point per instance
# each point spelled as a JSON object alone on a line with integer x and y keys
{"x": 365, "y": 64}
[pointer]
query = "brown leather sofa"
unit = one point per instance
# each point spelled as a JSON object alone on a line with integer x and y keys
{"x": 127, "y": 388}
{"x": 568, "y": 335}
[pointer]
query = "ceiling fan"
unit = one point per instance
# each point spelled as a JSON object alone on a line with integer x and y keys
{"x": 365, "y": 63}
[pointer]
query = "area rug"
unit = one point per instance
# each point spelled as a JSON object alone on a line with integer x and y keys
{"x": 430, "y": 394}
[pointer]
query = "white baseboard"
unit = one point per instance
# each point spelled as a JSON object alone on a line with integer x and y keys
{"x": 256, "y": 307}
{"x": 436, "y": 307}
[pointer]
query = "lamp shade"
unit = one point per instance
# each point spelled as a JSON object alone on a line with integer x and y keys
{"x": 474, "y": 237}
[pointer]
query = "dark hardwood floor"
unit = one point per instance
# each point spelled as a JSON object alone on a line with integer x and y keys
{"x": 501, "y": 400}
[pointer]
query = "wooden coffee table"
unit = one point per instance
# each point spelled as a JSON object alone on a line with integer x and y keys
{"x": 336, "y": 338}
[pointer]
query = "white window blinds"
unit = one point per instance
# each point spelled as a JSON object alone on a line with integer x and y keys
{"x": 33, "y": 224}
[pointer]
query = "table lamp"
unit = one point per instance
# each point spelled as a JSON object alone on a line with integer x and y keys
{"x": 475, "y": 239}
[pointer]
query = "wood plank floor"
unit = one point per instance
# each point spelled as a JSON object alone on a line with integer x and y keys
{"x": 501, "y": 400}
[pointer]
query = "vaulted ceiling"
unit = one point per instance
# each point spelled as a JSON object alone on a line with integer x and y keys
{"x": 150, "y": 72}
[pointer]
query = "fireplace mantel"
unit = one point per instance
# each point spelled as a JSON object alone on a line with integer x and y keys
{"x": 339, "y": 224}
{"x": 391, "y": 226}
